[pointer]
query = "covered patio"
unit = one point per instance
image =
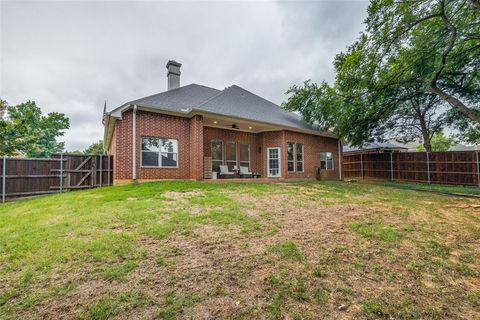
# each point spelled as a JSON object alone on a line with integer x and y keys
{"x": 237, "y": 150}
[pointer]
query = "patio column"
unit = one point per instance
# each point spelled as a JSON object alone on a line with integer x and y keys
{"x": 196, "y": 147}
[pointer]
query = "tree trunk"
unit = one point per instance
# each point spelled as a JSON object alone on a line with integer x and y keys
{"x": 457, "y": 104}
{"x": 427, "y": 144}
{"x": 425, "y": 134}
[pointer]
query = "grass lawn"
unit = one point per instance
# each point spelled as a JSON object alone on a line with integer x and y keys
{"x": 175, "y": 250}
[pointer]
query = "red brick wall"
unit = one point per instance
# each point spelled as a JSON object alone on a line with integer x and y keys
{"x": 151, "y": 125}
{"x": 196, "y": 147}
{"x": 122, "y": 156}
{"x": 312, "y": 146}
{"x": 194, "y": 143}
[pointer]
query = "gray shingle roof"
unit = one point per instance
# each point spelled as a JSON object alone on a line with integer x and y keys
{"x": 237, "y": 102}
{"x": 232, "y": 101}
{"x": 186, "y": 97}
{"x": 374, "y": 146}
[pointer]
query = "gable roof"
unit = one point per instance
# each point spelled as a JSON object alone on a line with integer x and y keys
{"x": 231, "y": 102}
{"x": 177, "y": 100}
{"x": 238, "y": 102}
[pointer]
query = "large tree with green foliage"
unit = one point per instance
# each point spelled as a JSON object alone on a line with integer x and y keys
{"x": 25, "y": 131}
{"x": 439, "y": 142}
{"x": 410, "y": 50}
{"x": 95, "y": 148}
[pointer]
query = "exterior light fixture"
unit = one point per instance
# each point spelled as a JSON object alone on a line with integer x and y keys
{"x": 249, "y": 127}
{"x": 215, "y": 121}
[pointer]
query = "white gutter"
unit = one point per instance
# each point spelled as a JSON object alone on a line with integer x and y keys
{"x": 134, "y": 147}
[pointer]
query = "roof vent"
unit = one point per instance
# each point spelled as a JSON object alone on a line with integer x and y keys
{"x": 173, "y": 74}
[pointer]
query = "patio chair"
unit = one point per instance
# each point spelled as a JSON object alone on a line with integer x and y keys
{"x": 224, "y": 173}
{"x": 245, "y": 173}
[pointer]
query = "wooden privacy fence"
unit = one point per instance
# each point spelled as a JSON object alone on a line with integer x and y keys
{"x": 450, "y": 167}
{"x": 63, "y": 172}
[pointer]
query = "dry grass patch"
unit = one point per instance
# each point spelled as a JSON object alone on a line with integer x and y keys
{"x": 200, "y": 251}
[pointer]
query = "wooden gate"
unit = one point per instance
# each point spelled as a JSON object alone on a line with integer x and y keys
{"x": 84, "y": 171}
{"x": 63, "y": 172}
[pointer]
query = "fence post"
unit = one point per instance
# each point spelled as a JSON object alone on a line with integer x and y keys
{"x": 391, "y": 166}
{"x": 361, "y": 164}
{"x": 428, "y": 167}
{"x": 478, "y": 169}
{"x": 61, "y": 172}
{"x": 109, "y": 157}
{"x": 101, "y": 170}
{"x": 4, "y": 177}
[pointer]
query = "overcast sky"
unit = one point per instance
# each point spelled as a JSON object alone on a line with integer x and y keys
{"x": 70, "y": 56}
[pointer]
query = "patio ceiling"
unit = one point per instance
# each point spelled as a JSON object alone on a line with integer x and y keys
{"x": 238, "y": 124}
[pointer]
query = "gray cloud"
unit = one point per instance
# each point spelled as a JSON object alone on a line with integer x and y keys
{"x": 71, "y": 56}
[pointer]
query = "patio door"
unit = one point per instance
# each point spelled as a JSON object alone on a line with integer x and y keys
{"x": 274, "y": 165}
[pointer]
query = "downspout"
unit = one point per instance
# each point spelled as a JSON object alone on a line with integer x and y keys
{"x": 340, "y": 160}
{"x": 134, "y": 143}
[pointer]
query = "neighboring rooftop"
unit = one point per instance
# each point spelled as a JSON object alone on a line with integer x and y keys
{"x": 461, "y": 147}
{"x": 375, "y": 146}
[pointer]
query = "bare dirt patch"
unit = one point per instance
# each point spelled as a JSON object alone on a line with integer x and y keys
{"x": 181, "y": 195}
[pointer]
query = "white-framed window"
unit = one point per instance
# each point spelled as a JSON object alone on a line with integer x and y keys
{"x": 244, "y": 154}
{"x": 326, "y": 161}
{"x": 291, "y": 157}
{"x": 217, "y": 154}
{"x": 159, "y": 152}
{"x": 231, "y": 154}
{"x": 299, "y": 157}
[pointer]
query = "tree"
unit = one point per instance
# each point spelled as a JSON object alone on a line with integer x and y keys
{"x": 3, "y": 108}
{"x": 26, "y": 131}
{"x": 434, "y": 44}
{"x": 95, "y": 148}
{"x": 3, "y": 128}
{"x": 439, "y": 143}
{"x": 410, "y": 51}
{"x": 419, "y": 118}
{"x": 78, "y": 152}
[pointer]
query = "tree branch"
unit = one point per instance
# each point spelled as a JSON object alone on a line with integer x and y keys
{"x": 457, "y": 104}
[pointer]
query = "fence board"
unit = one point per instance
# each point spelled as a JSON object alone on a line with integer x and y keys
{"x": 31, "y": 176}
{"x": 450, "y": 167}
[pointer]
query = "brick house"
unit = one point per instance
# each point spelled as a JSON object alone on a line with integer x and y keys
{"x": 188, "y": 132}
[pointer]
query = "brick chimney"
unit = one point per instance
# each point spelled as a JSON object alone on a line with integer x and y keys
{"x": 173, "y": 74}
